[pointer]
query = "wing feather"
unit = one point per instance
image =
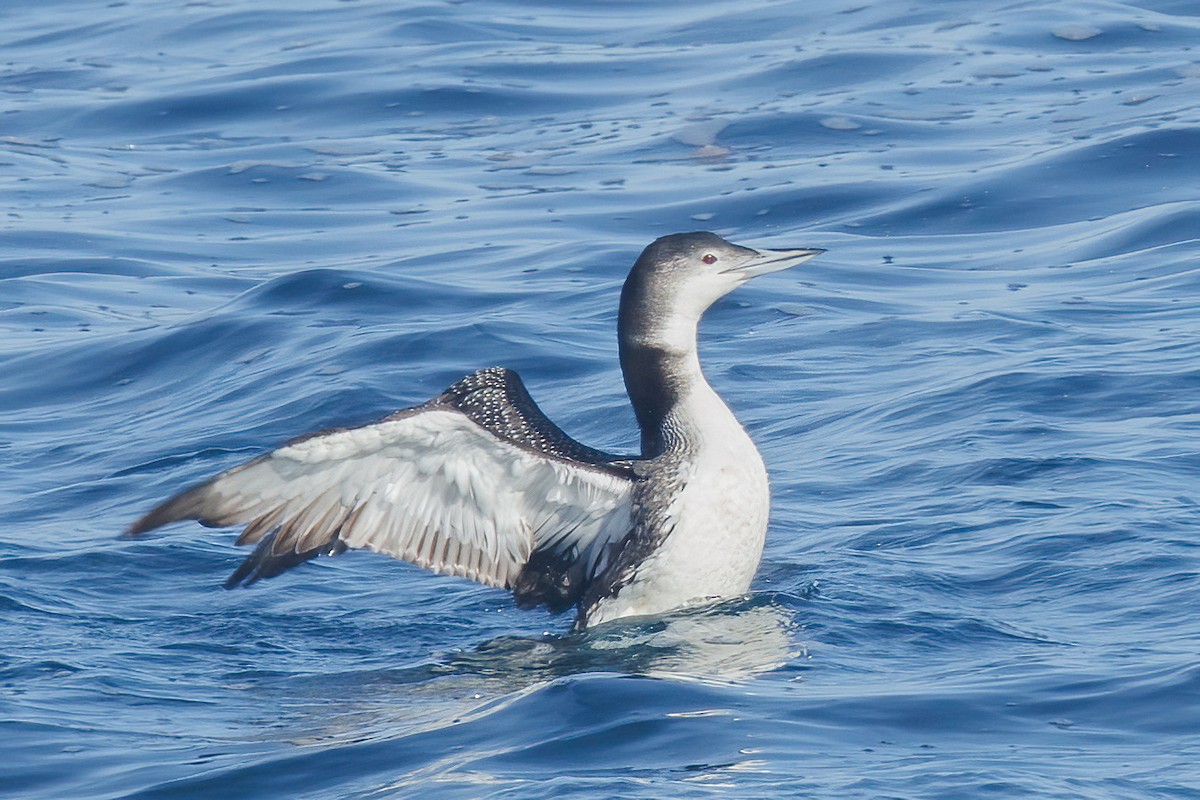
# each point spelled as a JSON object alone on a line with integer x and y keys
{"x": 430, "y": 485}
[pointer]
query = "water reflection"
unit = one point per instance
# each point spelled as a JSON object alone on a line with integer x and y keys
{"x": 728, "y": 641}
{"x": 721, "y": 644}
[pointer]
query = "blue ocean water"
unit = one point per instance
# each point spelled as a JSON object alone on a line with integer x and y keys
{"x": 229, "y": 223}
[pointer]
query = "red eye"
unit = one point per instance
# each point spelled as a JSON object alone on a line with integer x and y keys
{"x": 709, "y": 258}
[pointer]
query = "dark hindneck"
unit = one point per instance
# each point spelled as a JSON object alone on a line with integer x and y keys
{"x": 655, "y": 374}
{"x": 652, "y": 383}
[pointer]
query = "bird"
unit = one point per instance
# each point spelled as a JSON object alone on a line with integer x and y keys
{"x": 478, "y": 482}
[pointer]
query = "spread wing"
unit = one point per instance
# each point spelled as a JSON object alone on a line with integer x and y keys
{"x": 473, "y": 483}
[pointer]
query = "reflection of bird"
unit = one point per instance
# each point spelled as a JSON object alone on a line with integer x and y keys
{"x": 479, "y": 482}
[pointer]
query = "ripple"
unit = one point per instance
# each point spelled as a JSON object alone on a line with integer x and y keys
{"x": 231, "y": 226}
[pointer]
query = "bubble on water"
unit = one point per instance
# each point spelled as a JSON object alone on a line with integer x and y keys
{"x": 700, "y": 134}
{"x": 840, "y": 124}
{"x": 1076, "y": 33}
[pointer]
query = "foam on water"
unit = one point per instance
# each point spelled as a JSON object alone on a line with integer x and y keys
{"x": 228, "y": 226}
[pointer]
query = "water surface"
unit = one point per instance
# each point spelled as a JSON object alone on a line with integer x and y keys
{"x": 228, "y": 225}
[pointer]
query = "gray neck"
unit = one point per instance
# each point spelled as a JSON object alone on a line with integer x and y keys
{"x": 659, "y": 361}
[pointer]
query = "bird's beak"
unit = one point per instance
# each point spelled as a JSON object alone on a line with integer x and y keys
{"x": 773, "y": 260}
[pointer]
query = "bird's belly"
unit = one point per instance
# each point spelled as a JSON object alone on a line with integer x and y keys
{"x": 711, "y": 552}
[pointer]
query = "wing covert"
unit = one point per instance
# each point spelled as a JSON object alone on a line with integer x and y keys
{"x": 470, "y": 491}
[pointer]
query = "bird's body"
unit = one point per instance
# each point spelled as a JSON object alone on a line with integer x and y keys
{"x": 478, "y": 482}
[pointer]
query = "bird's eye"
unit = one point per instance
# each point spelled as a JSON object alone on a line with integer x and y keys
{"x": 709, "y": 258}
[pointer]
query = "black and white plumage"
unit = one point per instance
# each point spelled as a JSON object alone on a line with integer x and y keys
{"x": 478, "y": 482}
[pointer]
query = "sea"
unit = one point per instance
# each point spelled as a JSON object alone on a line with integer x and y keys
{"x": 230, "y": 223}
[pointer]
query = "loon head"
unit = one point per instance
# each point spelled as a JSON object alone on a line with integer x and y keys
{"x": 676, "y": 279}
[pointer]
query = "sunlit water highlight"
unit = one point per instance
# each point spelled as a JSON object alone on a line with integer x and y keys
{"x": 228, "y": 225}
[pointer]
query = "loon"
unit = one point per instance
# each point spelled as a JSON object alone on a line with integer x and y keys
{"x": 478, "y": 482}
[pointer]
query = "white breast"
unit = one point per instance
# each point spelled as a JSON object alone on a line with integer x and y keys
{"x": 719, "y": 519}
